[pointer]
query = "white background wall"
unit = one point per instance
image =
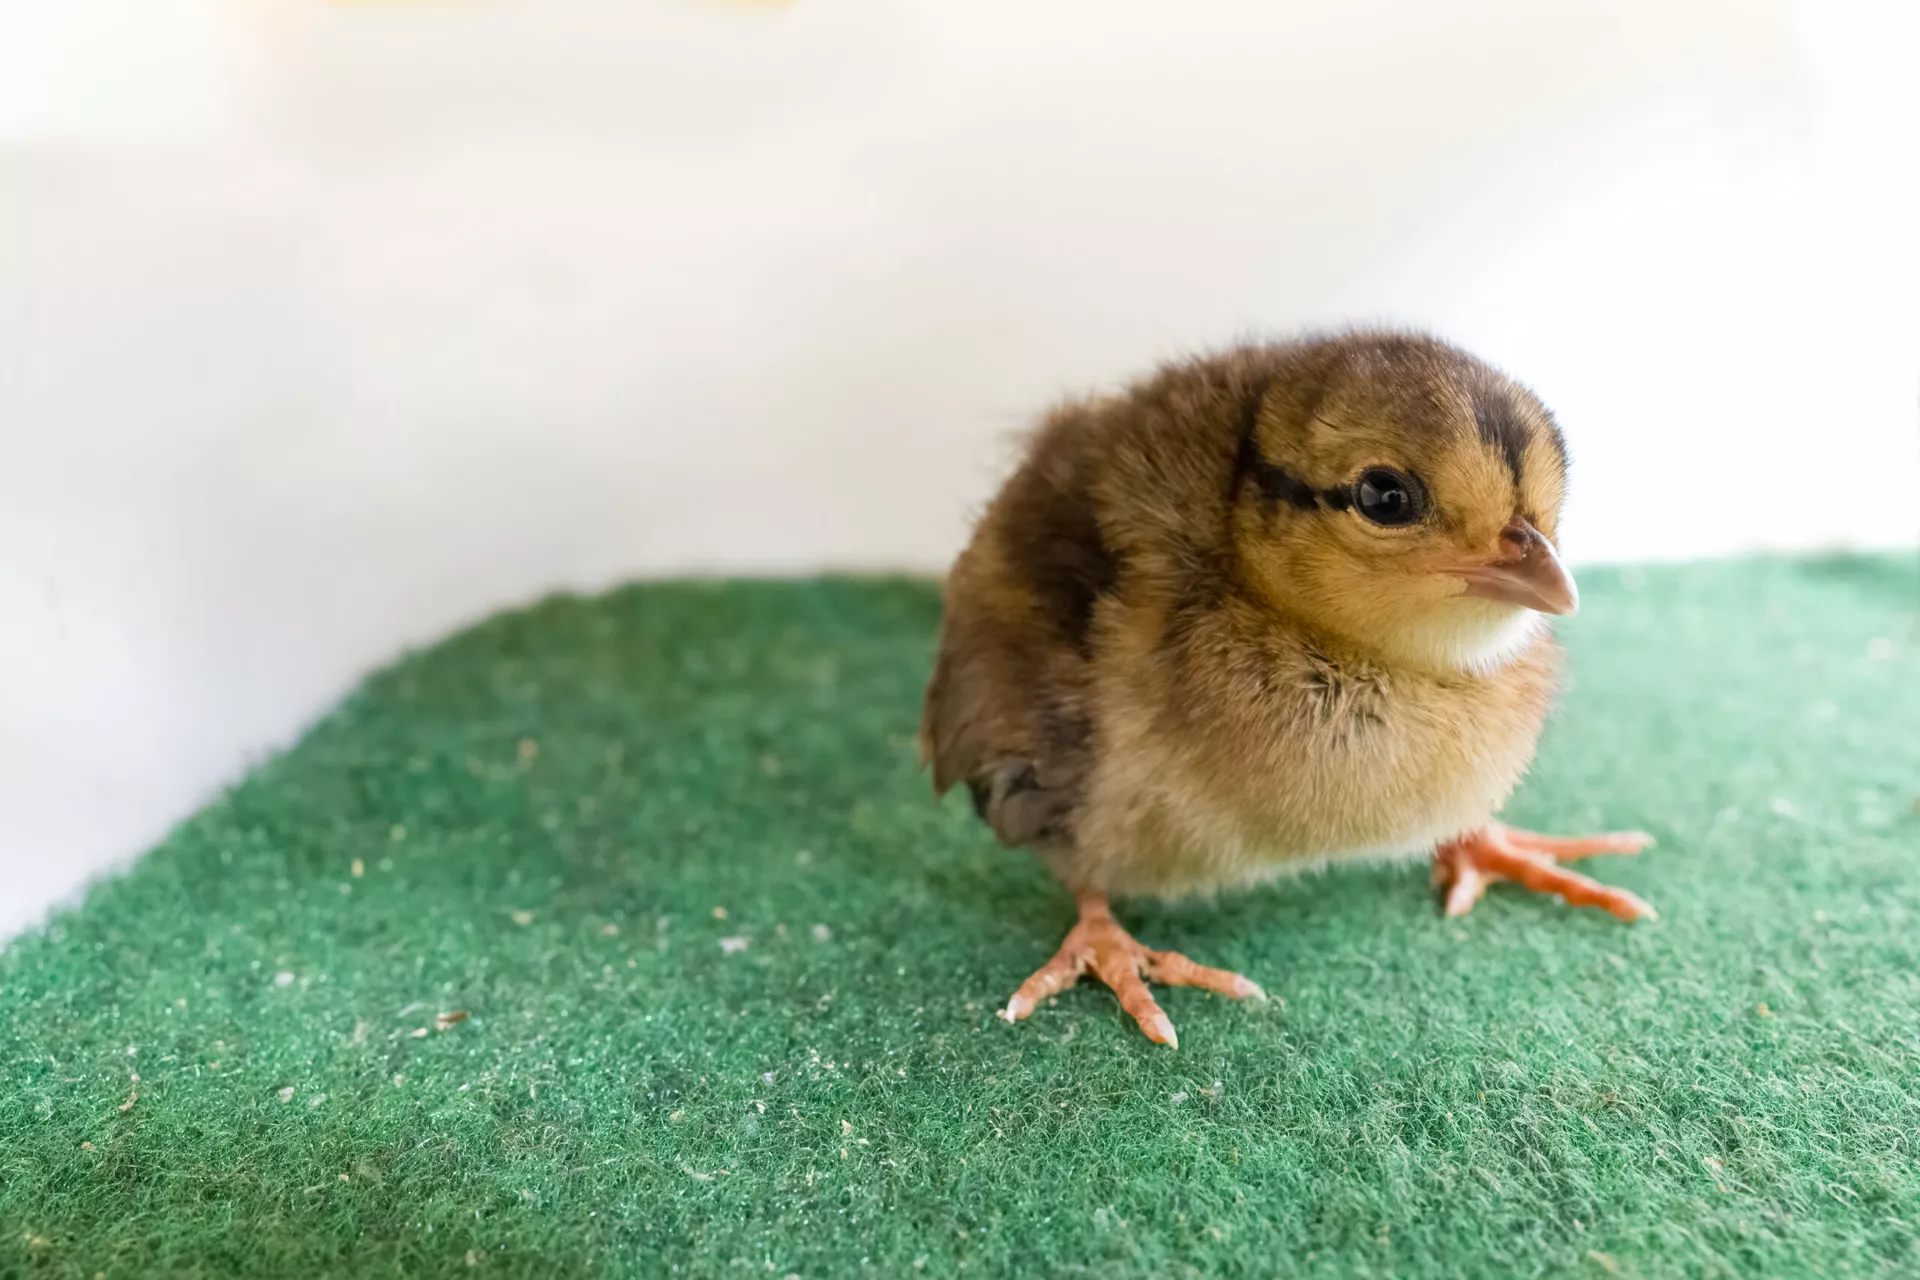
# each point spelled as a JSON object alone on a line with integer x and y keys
{"x": 327, "y": 327}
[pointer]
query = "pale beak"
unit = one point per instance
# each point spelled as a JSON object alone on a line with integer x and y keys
{"x": 1527, "y": 572}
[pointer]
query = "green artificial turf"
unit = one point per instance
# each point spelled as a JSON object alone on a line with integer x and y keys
{"x": 543, "y": 820}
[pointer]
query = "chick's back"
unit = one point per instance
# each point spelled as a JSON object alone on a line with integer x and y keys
{"x": 1110, "y": 488}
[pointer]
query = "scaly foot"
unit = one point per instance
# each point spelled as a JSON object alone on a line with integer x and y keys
{"x": 1098, "y": 943}
{"x": 1465, "y": 867}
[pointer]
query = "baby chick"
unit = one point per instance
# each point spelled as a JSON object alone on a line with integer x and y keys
{"x": 1268, "y": 610}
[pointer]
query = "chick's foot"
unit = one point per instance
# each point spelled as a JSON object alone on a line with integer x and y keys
{"x": 1465, "y": 867}
{"x": 1099, "y": 945}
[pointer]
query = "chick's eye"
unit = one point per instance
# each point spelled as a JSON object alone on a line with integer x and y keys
{"x": 1386, "y": 497}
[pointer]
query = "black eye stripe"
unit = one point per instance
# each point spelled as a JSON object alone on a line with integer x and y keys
{"x": 1277, "y": 484}
{"x": 1382, "y": 495}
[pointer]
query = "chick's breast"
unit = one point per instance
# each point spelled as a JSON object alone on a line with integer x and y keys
{"x": 1241, "y": 751}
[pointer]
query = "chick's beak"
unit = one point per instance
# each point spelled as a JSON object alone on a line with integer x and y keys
{"x": 1527, "y": 572}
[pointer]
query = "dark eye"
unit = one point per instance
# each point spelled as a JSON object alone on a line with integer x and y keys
{"x": 1386, "y": 497}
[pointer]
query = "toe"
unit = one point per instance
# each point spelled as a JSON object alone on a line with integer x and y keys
{"x": 1175, "y": 970}
{"x": 1575, "y": 889}
{"x": 1627, "y": 906}
{"x": 1564, "y": 847}
{"x": 1468, "y": 885}
{"x": 1120, "y": 973}
{"x": 1050, "y": 979}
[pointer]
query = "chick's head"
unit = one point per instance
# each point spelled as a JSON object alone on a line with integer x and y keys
{"x": 1405, "y": 497}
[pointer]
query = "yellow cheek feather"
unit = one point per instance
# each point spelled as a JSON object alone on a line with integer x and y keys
{"x": 1474, "y": 496}
{"x": 1543, "y": 484}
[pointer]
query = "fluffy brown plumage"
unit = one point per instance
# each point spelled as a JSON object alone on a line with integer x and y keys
{"x": 1266, "y": 610}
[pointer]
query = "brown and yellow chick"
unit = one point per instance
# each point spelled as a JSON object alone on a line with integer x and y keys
{"x": 1268, "y": 610}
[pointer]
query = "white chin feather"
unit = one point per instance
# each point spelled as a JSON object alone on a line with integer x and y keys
{"x": 1483, "y": 649}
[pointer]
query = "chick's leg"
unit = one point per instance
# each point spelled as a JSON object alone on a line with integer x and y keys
{"x": 1466, "y": 866}
{"x": 1099, "y": 944}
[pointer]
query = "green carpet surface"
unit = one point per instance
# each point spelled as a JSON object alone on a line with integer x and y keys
{"x": 729, "y": 976}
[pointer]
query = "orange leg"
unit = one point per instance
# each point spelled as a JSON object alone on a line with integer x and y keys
{"x": 1099, "y": 944}
{"x": 1466, "y": 866}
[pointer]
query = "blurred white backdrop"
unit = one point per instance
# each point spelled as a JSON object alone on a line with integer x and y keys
{"x": 327, "y": 327}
